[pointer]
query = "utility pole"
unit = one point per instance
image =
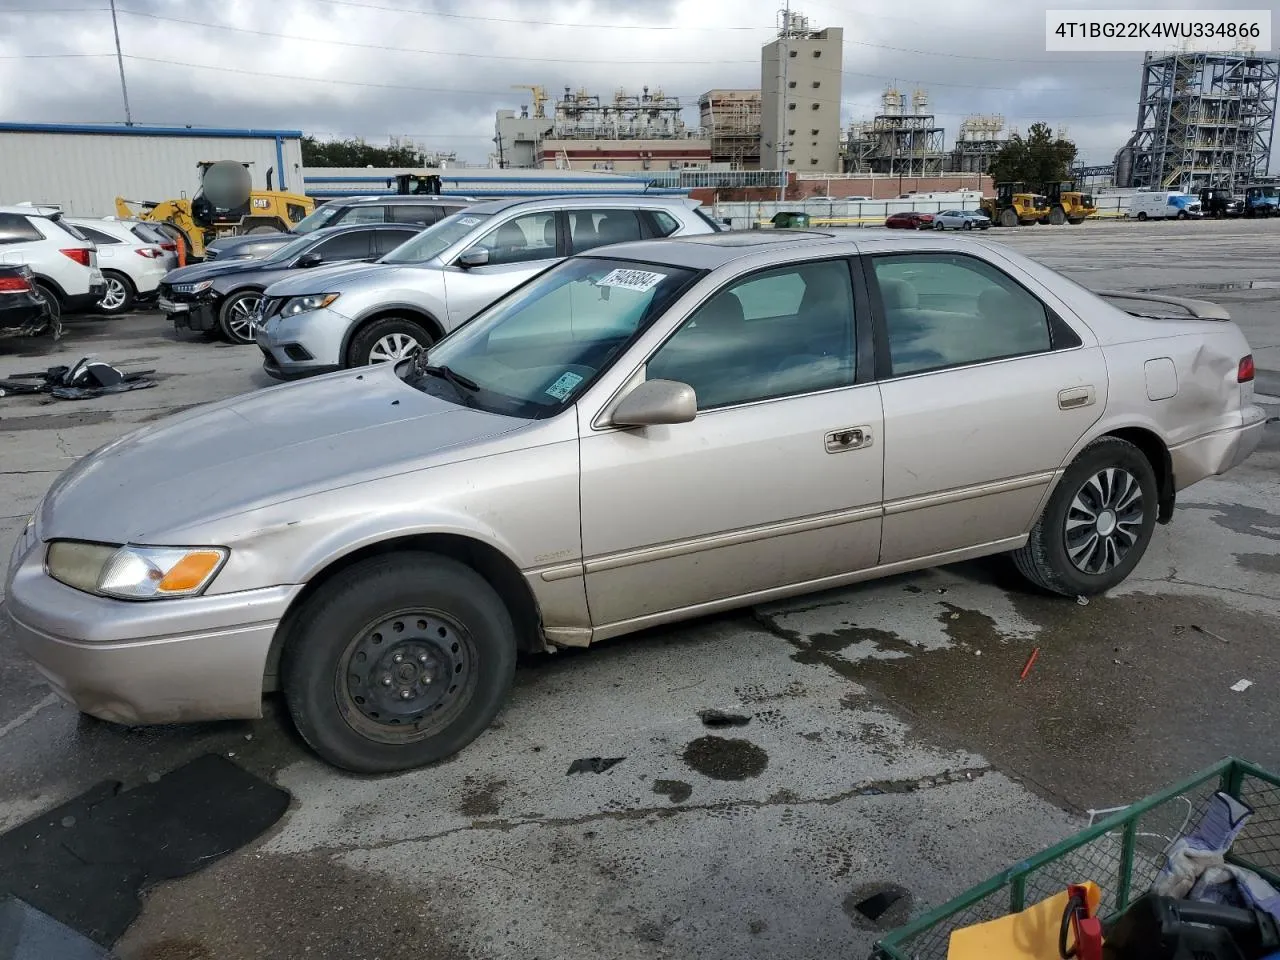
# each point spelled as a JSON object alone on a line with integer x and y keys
{"x": 124, "y": 89}
{"x": 784, "y": 54}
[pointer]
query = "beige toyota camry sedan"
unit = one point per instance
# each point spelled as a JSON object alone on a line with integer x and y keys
{"x": 639, "y": 435}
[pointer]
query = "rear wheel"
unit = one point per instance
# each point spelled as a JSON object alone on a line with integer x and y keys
{"x": 387, "y": 341}
{"x": 1058, "y": 216}
{"x": 1097, "y": 524}
{"x": 1075, "y": 220}
{"x": 119, "y": 296}
{"x": 50, "y": 297}
{"x": 1142, "y": 216}
{"x": 237, "y": 316}
{"x": 398, "y": 661}
{"x": 1008, "y": 217}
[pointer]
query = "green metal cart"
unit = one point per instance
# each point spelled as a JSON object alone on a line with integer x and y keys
{"x": 1122, "y": 854}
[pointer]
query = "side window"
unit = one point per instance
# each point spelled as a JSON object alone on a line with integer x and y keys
{"x": 595, "y": 228}
{"x": 943, "y": 310}
{"x": 782, "y": 332}
{"x": 384, "y": 241}
{"x": 14, "y": 228}
{"x": 347, "y": 246}
{"x": 424, "y": 213}
{"x": 97, "y": 236}
{"x": 361, "y": 214}
{"x": 527, "y": 238}
{"x": 664, "y": 224}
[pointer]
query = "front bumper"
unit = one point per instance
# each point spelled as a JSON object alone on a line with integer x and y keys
{"x": 165, "y": 661}
{"x": 307, "y": 345}
{"x": 199, "y": 315}
{"x": 1215, "y": 453}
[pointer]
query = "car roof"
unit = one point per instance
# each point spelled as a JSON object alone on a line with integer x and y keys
{"x": 405, "y": 198}
{"x": 357, "y": 228}
{"x": 595, "y": 201}
{"x": 31, "y": 211}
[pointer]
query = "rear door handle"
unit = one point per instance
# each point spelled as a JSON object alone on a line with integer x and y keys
{"x": 848, "y": 438}
{"x": 1075, "y": 397}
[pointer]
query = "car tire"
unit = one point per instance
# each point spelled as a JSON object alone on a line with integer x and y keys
{"x": 51, "y": 297}
{"x": 1096, "y": 495}
{"x": 418, "y": 620}
{"x": 1183, "y": 215}
{"x": 120, "y": 294}
{"x": 1057, "y": 217}
{"x": 387, "y": 340}
{"x": 1142, "y": 216}
{"x": 968, "y": 225}
{"x": 1008, "y": 217}
{"x": 235, "y": 316}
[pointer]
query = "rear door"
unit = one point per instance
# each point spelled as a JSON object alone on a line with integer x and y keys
{"x": 518, "y": 247}
{"x": 986, "y": 390}
{"x": 388, "y": 238}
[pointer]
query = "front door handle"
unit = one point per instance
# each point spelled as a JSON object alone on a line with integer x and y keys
{"x": 848, "y": 438}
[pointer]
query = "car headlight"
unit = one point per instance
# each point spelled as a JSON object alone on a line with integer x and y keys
{"x": 202, "y": 286}
{"x": 134, "y": 573}
{"x": 315, "y": 301}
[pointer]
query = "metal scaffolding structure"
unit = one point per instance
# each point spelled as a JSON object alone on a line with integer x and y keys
{"x": 732, "y": 119}
{"x": 647, "y": 116}
{"x": 981, "y": 137}
{"x": 1204, "y": 120}
{"x": 896, "y": 142}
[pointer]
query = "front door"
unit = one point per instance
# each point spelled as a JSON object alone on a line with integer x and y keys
{"x": 987, "y": 392}
{"x": 519, "y": 248}
{"x": 776, "y": 482}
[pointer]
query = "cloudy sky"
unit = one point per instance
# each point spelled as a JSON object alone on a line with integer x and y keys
{"x": 436, "y": 70}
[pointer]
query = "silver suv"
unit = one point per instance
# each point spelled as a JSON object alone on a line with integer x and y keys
{"x": 355, "y": 315}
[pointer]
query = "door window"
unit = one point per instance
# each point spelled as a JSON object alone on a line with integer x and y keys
{"x": 347, "y": 246}
{"x": 944, "y": 310}
{"x": 15, "y": 228}
{"x": 781, "y": 332}
{"x": 527, "y": 238}
{"x": 425, "y": 213}
{"x": 362, "y": 214}
{"x": 595, "y": 228}
{"x": 384, "y": 241}
{"x": 664, "y": 224}
{"x": 97, "y": 236}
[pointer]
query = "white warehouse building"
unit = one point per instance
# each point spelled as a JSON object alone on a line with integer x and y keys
{"x": 82, "y": 168}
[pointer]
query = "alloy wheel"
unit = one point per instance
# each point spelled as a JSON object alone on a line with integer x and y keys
{"x": 242, "y": 318}
{"x": 115, "y": 296}
{"x": 405, "y": 677}
{"x": 1104, "y": 521}
{"x": 393, "y": 347}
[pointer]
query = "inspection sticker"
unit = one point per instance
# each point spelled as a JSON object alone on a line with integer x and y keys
{"x": 564, "y": 386}
{"x": 468, "y": 221}
{"x": 638, "y": 280}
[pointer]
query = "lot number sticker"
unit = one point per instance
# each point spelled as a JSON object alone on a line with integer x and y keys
{"x": 469, "y": 221}
{"x": 564, "y": 386}
{"x": 638, "y": 280}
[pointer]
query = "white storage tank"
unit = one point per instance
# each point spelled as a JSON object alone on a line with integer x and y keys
{"x": 82, "y": 168}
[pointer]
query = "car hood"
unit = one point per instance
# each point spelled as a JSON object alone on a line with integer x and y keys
{"x": 223, "y": 244}
{"x": 250, "y": 452}
{"x": 209, "y": 271}
{"x": 341, "y": 277}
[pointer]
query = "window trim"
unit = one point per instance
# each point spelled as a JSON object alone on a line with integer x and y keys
{"x": 863, "y": 359}
{"x": 883, "y": 359}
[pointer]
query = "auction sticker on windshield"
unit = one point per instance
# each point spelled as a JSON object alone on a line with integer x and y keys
{"x": 469, "y": 221}
{"x": 638, "y": 280}
{"x": 564, "y": 386}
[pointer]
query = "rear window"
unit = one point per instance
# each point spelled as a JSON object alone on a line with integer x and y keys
{"x": 711, "y": 223}
{"x": 70, "y": 228}
{"x": 149, "y": 234}
{"x": 97, "y": 236}
{"x": 15, "y": 228}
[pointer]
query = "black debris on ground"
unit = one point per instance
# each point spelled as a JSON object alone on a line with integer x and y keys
{"x": 83, "y": 863}
{"x": 722, "y": 759}
{"x": 593, "y": 764}
{"x": 83, "y": 380}
{"x": 719, "y": 719}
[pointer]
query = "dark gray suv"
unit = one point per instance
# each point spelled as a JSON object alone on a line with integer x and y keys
{"x": 393, "y": 208}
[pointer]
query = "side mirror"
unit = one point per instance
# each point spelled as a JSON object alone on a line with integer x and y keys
{"x": 475, "y": 257}
{"x": 312, "y": 259}
{"x": 656, "y": 402}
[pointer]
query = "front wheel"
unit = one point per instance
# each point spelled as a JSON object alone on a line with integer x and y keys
{"x": 968, "y": 224}
{"x": 388, "y": 340}
{"x": 238, "y": 315}
{"x": 1097, "y": 524}
{"x": 398, "y": 661}
{"x": 1183, "y": 215}
{"x": 1008, "y": 217}
{"x": 119, "y": 295}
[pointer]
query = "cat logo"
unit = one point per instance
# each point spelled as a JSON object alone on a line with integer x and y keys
{"x": 261, "y": 203}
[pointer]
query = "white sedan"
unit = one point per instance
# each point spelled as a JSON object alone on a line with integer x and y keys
{"x": 961, "y": 220}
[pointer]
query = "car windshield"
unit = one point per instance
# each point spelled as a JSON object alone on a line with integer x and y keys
{"x": 289, "y": 250}
{"x": 436, "y": 239}
{"x": 317, "y": 218}
{"x": 536, "y": 349}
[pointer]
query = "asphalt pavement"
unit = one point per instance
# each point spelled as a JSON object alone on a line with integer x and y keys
{"x": 878, "y": 735}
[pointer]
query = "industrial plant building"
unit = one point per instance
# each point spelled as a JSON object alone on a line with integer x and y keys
{"x": 800, "y": 82}
{"x": 731, "y": 119}
{"x": 1204, "y": 120}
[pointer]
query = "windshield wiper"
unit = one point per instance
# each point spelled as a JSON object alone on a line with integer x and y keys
{"x": 456, "y": 380}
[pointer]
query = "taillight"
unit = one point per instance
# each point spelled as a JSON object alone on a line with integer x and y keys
{"x": 151, "y": 253}
{"x": 171, "y": 247}
{"x": 79, "y": 254}
{"x": 15, "y": 285}
{"x": 1244, "y": 372}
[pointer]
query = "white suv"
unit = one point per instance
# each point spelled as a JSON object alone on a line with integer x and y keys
{"x": 63, "y": 261}
{"x": 132, "y": 257}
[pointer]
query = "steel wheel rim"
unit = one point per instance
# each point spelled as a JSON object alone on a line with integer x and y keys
{"x": 406, "y": 676}
{"x": 393, "y": 347}
{"x": 113, "y": 299}
{"x": 1104, "y": 521}
{"x": 242, "y": 317}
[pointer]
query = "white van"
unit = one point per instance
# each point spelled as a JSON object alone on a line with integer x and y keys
{"x": 1163, "y": 205}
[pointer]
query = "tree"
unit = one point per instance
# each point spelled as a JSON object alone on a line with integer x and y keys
{"x": 356, "y": 153}
{"x": 1037, "y": 158}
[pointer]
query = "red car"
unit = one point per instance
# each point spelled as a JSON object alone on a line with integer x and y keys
{"x": 910, "y": 221}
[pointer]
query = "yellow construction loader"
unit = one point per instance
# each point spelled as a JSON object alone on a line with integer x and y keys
{"x": 1013, "y": 206}
{"x": 1067, "y": 204}
{"x": 225, "y": 205}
